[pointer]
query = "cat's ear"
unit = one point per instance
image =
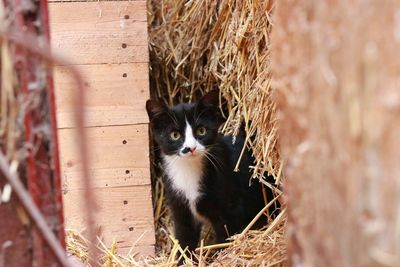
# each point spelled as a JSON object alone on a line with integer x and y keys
{"x": 210, "y": 99}
{"x": 155, "y": 108}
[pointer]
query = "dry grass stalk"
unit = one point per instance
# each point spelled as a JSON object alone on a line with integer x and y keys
{"x": 10, "y": 130}
{"x": 256, "y": 248}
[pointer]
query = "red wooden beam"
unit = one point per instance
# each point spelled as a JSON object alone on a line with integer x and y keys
{"x": 42, "y": 171}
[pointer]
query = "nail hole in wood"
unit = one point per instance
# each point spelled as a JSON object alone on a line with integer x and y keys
{"x": 126, "y": 16}
{"x": 124, "y": 142}
{"x": 124, "y": 45}
{"x": 125, "y": 202}
{"x": 127, "y": 171}
{"x": 131, "y": 229}
{"x": 124, "y": 75}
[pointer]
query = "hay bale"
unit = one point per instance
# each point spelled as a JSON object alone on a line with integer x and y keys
{"x": 196, "y": 46}
{"x": 337, "y": 68}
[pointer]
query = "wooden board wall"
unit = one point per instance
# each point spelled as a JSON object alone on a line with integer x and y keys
{"x": 107, "y": 41}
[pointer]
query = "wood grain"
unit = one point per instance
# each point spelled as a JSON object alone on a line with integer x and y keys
{"x": 112, "y": 177}
{"x": 97, "y": 32}
{"x": 120, "y": 178}
{"x": 122, "y": 214}
{"x": 107, "y": 148}
{"x": 111, "y": 98}
{"x": 107, "y": 41}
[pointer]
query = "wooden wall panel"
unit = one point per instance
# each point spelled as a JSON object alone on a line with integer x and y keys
{"x": 107, "y": 41}
{"x": 110, "y": 147}
{"x": 120, "y": 175}
{"x": 110, "y": 177}
{"x": 115, "y": 94}
{"x": 100, "y": 32}
{"x": 122, "y": 214}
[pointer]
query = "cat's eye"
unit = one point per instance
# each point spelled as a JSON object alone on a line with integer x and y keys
{"x": 175, "y": 135}
{"x": 201, "y": 131}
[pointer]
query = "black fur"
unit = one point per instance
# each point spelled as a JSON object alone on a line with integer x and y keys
{"x": 227, "y": 201}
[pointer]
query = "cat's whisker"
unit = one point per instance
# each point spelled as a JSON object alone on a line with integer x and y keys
{"x": 156, "y": 149}
{"x": 215, "y": 166}
{"x": 173, "y": 118}
{"x": 217, "y": 160}
{"x": 198, "y": 116}
{"x": 176, "y": 157}
{"x": 211, "y": 157}
{"x": 211, "y": 146}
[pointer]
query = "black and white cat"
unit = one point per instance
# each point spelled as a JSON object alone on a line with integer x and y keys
{"x": 198, "y": 164}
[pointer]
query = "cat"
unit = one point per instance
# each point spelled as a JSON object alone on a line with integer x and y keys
{"x": 198, "y": 162}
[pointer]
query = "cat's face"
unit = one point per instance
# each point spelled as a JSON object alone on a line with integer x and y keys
{"x": 186, "y": 130}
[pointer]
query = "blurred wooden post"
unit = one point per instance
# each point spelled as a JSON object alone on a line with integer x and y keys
{"x": 337, "y": 67}
{"x": 32, "y": 137}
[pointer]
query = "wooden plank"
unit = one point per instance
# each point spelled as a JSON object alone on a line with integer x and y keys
{"x": 122, "y": 215}
{"x": 113, "y": 177}
{"x": 115, "y": 94}
{"x": 95, "y": 16}
{"x": 121, "y": 184}
{"x": 110, "y": 147}
{"x": 100, "y": 32}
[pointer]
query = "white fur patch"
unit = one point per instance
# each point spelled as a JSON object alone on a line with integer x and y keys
{"x": 185, "y": 174}
{"x": 190, "y": 141}
{"x": 185, "y": 171}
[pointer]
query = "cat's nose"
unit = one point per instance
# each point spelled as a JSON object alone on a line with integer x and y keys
{"x": 188, "y": 149}
{"x": 185, "y": 150}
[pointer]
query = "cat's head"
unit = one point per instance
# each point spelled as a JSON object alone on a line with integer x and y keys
{"x": 186, "y": 130}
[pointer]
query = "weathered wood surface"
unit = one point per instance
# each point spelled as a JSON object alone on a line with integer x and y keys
{"x": 121, "y": 185}
{"x": 115, "y": 94}
{"x": 107, "y": 42}
{"x": 110, "y": 148}
{"x": 337, "y": 67}
{"x": 100, "y": 32}
{"x": 122, "y": 215}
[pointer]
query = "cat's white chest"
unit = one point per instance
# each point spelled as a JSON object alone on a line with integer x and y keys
{"x": 185, "y": 175}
